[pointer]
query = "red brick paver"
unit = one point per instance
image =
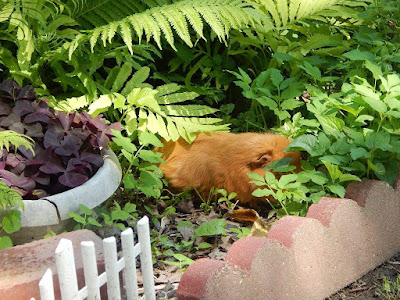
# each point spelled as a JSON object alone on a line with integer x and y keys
{"x": 22, "y": 267}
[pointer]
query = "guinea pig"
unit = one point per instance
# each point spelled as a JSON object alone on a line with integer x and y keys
{"x": 222, "y": 160}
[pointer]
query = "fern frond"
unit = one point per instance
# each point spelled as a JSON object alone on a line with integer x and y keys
{"x": 285, "y": 12}
{"x": 168, "y": 19}
{"x": 9, "y": 137}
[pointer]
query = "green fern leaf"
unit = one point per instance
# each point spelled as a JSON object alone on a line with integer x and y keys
{"x": 167, "y": 19}
{"x": 9, "y": 137}
{"x": 188, "y": 110}
{"x": 179, "y": 24}
{"x": 194, "y": 19}
{"x": 136, "y": 80}
{"x": 176, "y": 98}
{"x": 167, "y": 89}
{"x": 74, "y": 103}
{"x": 125, "y": 32}
{"x": 122, "y": 76}
{"x": 165, "y": 27}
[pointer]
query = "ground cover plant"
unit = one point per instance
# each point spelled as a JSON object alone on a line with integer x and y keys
{"x": 324, "y": 73}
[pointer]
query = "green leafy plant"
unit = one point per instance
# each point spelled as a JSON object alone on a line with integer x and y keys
{"x": 390, "y": 289}
{"x": 100, "y": 218}
{"x": 293, "y": 193}
{"x": 10, "y": 199}
{"x": 270, "y": 92}
{"x": 141, "y": 173}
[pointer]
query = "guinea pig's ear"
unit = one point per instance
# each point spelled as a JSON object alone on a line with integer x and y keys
{"x": 262, "y": 160}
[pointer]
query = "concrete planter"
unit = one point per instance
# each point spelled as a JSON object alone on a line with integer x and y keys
{"x": 50, "y": 214}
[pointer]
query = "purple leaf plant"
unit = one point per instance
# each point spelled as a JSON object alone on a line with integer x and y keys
{"x": 67, "y": 146}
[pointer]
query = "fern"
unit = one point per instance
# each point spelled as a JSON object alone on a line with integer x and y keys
{"x": 285, "y": 12}
{"x": 9, "y": 137}
{"x": 161, "y": 19}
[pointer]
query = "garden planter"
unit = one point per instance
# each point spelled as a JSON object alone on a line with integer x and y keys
{"x": 41, "y": 216}
{"x": 310, "y": 258}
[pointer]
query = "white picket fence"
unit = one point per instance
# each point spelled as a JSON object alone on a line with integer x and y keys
{"x": 127, "y": 264}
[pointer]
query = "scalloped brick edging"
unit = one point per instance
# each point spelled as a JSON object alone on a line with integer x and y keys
{"x": 339, "y": 241}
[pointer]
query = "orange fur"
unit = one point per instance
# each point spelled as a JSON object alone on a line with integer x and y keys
{"x": 222, "y": 160}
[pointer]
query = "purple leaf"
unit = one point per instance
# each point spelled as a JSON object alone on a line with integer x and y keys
{"x": 93, "y": 158}
{"x": 36, "y": 117}
{"x": 17, "y": 127}
{"x": 68, "y": 146}
{"x": 22, "y": 108}
{"x": 52, "y": 137}
{"x": 27, "y": 92}
{"x": 19, "y": 181}
{"x": 5, "y": 109}
{"x": 65, "y": 119}
{"x": 72, "y": 179}
{"x": 9, "y": 86}
{"x": 52, "y": 166}
{"x": 34, "y": 130}
{"x": 11, "y": 119}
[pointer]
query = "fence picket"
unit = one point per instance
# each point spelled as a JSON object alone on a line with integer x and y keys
{"x": 111, "y": 263}
{"x": 90, "y": 270}
{"x": 146, "y": 260}
{"x": 66, "y": 270}
{"x": 129, "y": 272}
{"x": 127, "y": 264}
{"x": 46, "y": 286}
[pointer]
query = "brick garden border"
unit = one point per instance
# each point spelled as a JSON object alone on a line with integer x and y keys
{"x": 338, "y": 242}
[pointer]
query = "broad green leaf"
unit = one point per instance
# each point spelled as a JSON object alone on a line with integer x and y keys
{"x": 147, "y": 138}
{"x": 358, "y": 152}
{"x": 359, "y": 55}
{"x": 11, "y": 221}
{"x": 348, "y": 177}
{"x": 267, "y": 102}
{"x": 331, "y": 125}
{"x": 84, "y": 209}
{"x": 313, "y": 71}
{"x": 291, "y": 104}
{"x": 276, "y": 77}
{"x": 214, "y": 227}
{"x": 285, "y": 179}
{"x": 262, "y": 193}
{"x": 204, "y": 245}
{"x": 256, "y": 176}
{"x": 94, "y": 222}
{"x": 376, "y": 104}
{"x": 129, "y": 182}
{"x": 120, "y": 215}
{"x": 150, "y": 156}
{"x": 129, "y": 207}
{"x": 5, "y": 242}
{"x": 123, "y": 142}
{"x": 337, "y": 189}
{"x": 374, "y": 68}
